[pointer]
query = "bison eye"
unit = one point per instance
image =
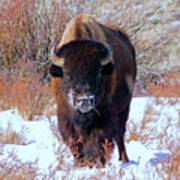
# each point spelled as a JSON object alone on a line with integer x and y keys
{"x": 56, "y": 71}
{"x": 108, "y": 69}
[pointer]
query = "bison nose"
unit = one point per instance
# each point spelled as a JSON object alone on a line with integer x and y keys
{"x": 85, "y": 103}
{"x": 86, "y": 100}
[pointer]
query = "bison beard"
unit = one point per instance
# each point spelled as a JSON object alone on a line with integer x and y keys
{"x": 87, "y": 121}
{"x": 84, "y": 120}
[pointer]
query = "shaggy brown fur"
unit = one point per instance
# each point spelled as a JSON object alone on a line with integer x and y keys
{"x": 86, "y": 51}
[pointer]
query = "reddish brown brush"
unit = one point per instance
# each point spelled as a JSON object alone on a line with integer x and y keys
{"x": 168, "y": 86}
{"x": 28, "y": 29}
{"x": 28, "y": 95}
{"x": 9, "y": 136}
{"x": 80, "y": 160}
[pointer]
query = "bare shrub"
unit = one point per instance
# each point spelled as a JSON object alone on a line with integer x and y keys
{"x": 167, "y": 167}
{"x": 138, "y": 133}
{"x": 166, "y": 85}
{"x": 26, "y": 92}
{"x": 16, "y": 170}
{"x": 9, "y": 136}
{"x": 28, "y": 29}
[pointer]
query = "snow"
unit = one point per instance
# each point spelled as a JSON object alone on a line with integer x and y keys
{"x": 176, "y": 23}
{"x": 42, "y": 147}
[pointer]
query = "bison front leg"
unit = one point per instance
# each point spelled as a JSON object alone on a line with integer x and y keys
{"x": 123, "y": 116}
{"x": 122, "y": 150}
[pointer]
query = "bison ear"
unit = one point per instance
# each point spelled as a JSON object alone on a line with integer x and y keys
{"x": 108, "y": 69}
{"x": 56, "y": 71}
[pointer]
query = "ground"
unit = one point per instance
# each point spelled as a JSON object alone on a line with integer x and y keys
{"x": 151, "y": 139}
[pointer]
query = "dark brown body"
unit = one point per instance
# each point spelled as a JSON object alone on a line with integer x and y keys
{"x": 92, "y": 140}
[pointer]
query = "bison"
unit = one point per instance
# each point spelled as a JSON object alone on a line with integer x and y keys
{"x": 93, "y": 74}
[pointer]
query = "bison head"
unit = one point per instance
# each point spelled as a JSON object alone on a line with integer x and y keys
{"x": 81, "y": 65}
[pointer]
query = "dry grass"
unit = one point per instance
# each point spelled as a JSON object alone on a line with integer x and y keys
{"x": 28, "y": 29}
{"x": 167, "y": 85}
{"x": 26, "y": 94}
{"x": 9, "y": 136}
{"x": 17, "y": 171}
{"x": 140, "y": 134}
{"x": 171, "y": 170}
{"x": 169, "y": 167}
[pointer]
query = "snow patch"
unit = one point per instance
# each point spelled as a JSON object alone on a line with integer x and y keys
{"x": 41, "y": 145}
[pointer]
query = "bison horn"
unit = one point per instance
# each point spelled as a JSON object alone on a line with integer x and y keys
{"x": 58, "y": 61}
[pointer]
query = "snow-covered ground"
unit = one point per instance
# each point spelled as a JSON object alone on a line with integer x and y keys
{"x": 150, "y": 117}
